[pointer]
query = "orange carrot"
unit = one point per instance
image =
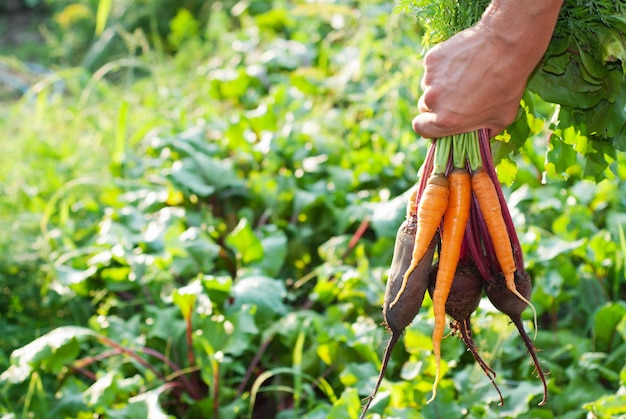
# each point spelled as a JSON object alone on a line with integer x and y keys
{"x": 430, "y": 210}
{"x": 454, "y": 223}
{"x": 490, "y": 208}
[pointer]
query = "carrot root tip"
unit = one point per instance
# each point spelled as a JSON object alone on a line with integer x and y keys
{"x": 514, "y": 290}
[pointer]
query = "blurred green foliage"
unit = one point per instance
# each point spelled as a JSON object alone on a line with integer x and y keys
{"x": 199, "y": 224}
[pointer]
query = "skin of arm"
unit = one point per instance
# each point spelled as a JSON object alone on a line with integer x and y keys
{"x": 476, "y": 78}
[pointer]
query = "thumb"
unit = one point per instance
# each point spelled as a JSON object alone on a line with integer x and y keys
{"x": 424, "y": 124}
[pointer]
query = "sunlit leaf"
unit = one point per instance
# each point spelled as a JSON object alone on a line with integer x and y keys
{"x": 104, "y": 8}
{"x": 347, "y": 406}
{"x": 150, "y": 399}
{"x": 183, "y": 27}
{"x": 608, "y": 406}
{"x": 506, "y": 170}
{"x": 265, "y": 293}
{"x": 187, "y": 297}
{"x": 104, "y": 391}
{"x": 53, "y": 350}
{"x": 247, "y": 244}
{"x": 231, "y": 335}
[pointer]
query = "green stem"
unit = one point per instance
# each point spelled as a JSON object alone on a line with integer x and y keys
{"x": 443, "y": 147}
{"x": 473, "y": 151}
{"x": 459, "y": 150}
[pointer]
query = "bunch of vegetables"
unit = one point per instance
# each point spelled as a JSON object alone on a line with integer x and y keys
{"x": 583, "y": 72}
{"x": 457, "y": 241}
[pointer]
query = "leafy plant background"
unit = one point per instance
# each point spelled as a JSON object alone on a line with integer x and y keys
{"x": 199, "y": 201}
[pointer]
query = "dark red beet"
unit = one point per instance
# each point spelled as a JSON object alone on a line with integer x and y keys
{"x": 463, "y": 300}
{"x": 407, "y": 307}
{"x": 509, "y": 304}
{"x": 465, "y": 293}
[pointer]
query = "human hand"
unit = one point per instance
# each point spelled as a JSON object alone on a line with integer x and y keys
{"x": 476, "y": 78}
{"x": 470, "y": 82}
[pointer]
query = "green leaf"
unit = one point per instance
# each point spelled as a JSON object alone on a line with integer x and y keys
{"x": 265, "y": 293}
{"x": 104, "y": 8}
{"x": 192, "y": 296}
{"x": 347, "y": 406}
{"x": 122, "y": 330}
{"x": 51, "y": 351}
{"x": 183, "y": 27}
{"x": 149, "y": 401}
{"x": 245, "y": 242}
{"x": 116, "y": 278}
{"x": 612, "y": 406}
{"x": 361, "y": 377}
{"x": 165, "y": 322}
{"x": 217, "y": 171}
{"x": 552, "y": 283}
{"x": 232, "y": 334}
{"x": 75, "y": 279}
{"x": 192, "y": 251}
{"x": 550, "y": 247}
{"x": 569, "y": 89}
{"x": 596, "y": 163}
{"x": 217, "y": 287}
{"x": 69, "y": 400}
{"x": 561, "y": 157}
{"x": 230, "y": 83}
{"x": 606, "y": 320}
{"x": 275, "y": 248}
{"x": 621, "y": 329}
{"x": 103, "y": 392}
{"x": 332, "y": 250}
{"x": 506, "y": 170}
{"x": 186, "y": 176}
{"x": 387, "y": 216}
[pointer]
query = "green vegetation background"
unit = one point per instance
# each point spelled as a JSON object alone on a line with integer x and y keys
{"x": 199, "y": 200}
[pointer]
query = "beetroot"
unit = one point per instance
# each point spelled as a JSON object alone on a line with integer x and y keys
{"x": 409, "y": 303}
{"x": 509, "y": 304}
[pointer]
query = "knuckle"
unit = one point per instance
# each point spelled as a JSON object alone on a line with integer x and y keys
{"x": 428, "y": 100}
{"x": 447, "y": 120}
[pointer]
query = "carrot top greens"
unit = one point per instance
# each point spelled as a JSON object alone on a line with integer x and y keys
{"x": 473, "y": 152}
{"x": 459, "y": 150}
{"x": 443, "y": 147}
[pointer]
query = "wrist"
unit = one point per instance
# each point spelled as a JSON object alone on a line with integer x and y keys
{"x": 523, "y": 26}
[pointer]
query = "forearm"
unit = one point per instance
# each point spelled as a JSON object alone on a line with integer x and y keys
{"x": 523, "y": 26}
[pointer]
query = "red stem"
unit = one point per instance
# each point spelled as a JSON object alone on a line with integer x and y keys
{"x": 216, "y": 390}
{"x": 472, "y": 238}
{"x": 131, "y": 354}
{"x": 428, "y": 169}
{"x": 85, "y": 372}
{"x": 190, "y": 354}
{"x": 356, "y": 237}
{"x": 83, "y": 362}
{"x": 253, "y": 364}
{"x": 191, "y": 389}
